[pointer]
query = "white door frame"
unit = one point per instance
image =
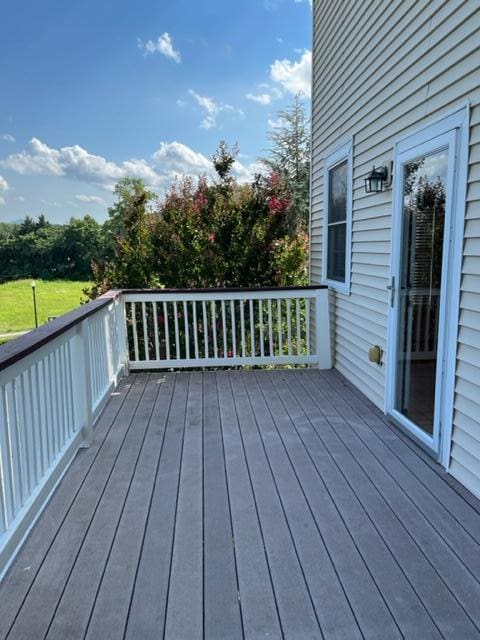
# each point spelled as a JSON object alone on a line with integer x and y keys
{"x": 450, "y": 131}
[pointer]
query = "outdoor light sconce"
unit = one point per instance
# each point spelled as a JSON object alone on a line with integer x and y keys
{"x": 379, "y": 178}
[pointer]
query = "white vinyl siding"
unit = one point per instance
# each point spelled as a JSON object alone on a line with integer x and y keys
{"x": 382, "y": 70}
{"x": 465, "y": 463}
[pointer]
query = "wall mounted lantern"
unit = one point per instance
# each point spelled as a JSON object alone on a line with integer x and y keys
{"x": 379, "y": 178}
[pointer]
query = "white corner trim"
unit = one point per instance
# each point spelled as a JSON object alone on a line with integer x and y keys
{"x": 336, "y": 156}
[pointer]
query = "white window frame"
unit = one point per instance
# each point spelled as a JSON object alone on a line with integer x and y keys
{"x": 339, "y": 155}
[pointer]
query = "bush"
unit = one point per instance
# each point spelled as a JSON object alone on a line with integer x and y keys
{"x": 204, "y": 235}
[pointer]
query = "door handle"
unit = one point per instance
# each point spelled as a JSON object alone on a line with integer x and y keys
{"x": 391, "y": 288}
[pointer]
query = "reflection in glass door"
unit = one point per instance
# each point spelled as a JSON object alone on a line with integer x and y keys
{"x": 420, "y": 277}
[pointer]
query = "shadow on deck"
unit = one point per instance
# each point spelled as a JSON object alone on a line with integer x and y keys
{"x": 236, "y": 504}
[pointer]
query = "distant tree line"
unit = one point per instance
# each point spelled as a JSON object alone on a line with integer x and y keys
{"x": 40, "y": 249}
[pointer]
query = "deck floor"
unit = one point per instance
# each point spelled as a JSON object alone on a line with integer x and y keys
{"x": 270, "y": 504}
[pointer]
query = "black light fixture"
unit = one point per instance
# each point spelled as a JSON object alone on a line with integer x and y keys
{"x": 378, "y": 179}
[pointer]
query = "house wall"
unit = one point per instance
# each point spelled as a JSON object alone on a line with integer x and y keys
{"x": 381, "y": 70}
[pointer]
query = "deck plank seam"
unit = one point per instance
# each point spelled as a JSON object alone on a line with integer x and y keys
{"x": 327, "y": 551}
{"x": 72, "y": 502}
{"x": 454, "y": 596}
{"x": 176, "y": 506}
{"x": 150, "y": 377}
{"x": 307, "y": 586}
{"x": 341, "y": 518}
{"x": 254, "y": 497}
{"x": 149, "y": 507}
{"x": 229, "y": 508}
{"x": 386, "y": 469}
{"x": 360, "y": 502}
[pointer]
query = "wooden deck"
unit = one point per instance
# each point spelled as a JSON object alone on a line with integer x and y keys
{"x": 248, "y": 505}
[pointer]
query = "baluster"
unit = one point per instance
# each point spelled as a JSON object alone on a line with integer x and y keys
{"x": 299, "y": 338}
{"x": 279, "y": 326}
{"x": 308, "y": 303}
{"x": 195, "y": 329}
{"x": 167, "y": 332}
{"x": 177, "y": 333}
{"x": 187, "y": 334}
{"x": 242, "y": 326}
{"x": 134, "y": 329}
{"x": 234, "y": 328}
{"x": 26, "y": 436}
{"x": 155, "y": 331}
{"x": 224, "y": 330}
{"x": 252, "y": 329}
{"x": 205, "y": 326}
{"x": 15, "y": 445}
{"x": 145, "y": 332}
{"x": 214, "y": 326}
{"x": 289, "y": 327}
{"x": 7, "y": 484}
{"x": 270, "y": 328}
{"x": 260, "y": 320}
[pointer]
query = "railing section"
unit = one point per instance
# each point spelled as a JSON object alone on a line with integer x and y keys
{"x": 228, "y": 328}
{"x": 48, "y": 402}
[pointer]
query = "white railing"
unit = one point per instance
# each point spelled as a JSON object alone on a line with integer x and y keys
{"x": 227, "y": 327}
{"x": 53, "y": 383}
{"x": 55, "y": 380}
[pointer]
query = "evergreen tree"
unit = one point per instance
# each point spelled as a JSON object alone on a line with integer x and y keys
{"x": 289, "y": 156}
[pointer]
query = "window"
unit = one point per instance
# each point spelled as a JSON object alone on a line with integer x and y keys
{"x": 337, "y": 219}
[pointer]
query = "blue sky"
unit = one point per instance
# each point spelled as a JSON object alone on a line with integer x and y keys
{"x": 94, "y": 90}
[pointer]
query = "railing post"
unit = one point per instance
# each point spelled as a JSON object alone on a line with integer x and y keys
{"x": 322, "y": 329}
{"x": 121, "y": 321}
{"x": 81, "y": 364}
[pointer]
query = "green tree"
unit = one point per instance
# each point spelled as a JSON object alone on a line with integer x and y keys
{"x": 130, "y": 226}
{"x": 289, "y": 156}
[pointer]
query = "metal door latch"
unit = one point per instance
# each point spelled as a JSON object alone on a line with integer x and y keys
{"x": 391, "y": 288}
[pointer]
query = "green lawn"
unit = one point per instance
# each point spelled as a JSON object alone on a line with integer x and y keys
{"x": 54, "y": 297}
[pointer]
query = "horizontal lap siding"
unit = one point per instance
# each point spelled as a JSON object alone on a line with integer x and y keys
{"x": 431, "y": 65}
{"x": 465, "y": 465}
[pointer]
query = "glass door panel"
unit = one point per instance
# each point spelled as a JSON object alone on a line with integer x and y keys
{"x": 420, "y": 278}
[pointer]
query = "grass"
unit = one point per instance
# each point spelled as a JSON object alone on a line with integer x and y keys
{"x": 54, "y": 297}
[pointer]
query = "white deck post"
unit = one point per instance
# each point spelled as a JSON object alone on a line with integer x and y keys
{"x": 81, "y": 374}
{"x": 322, "y": 330}
{"x": 121, "y": 322}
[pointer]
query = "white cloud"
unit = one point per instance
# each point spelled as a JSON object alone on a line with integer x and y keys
{"x": 20, "y": 199}
{"x": 163, "y": 45}
{"x": 7, "y": 137}
{"x": 212, "y": 109}
{"x": 3, "y": 184}
{"x": 302, "y": 1}
{"x": 261, "y": 98}
{"x": 170, "y": 160}
{"x": 294, "y": 77}
{"x": 2, "y": 201}
{"x": 91, "y": 199}
{"x": 73, "y": 162}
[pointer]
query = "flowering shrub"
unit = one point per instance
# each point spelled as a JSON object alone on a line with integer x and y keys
{"x": 206, "y": 235}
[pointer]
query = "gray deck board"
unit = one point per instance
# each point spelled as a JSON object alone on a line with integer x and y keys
{"x": 267, "y": 504}
{"x": 456, "y": 575}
